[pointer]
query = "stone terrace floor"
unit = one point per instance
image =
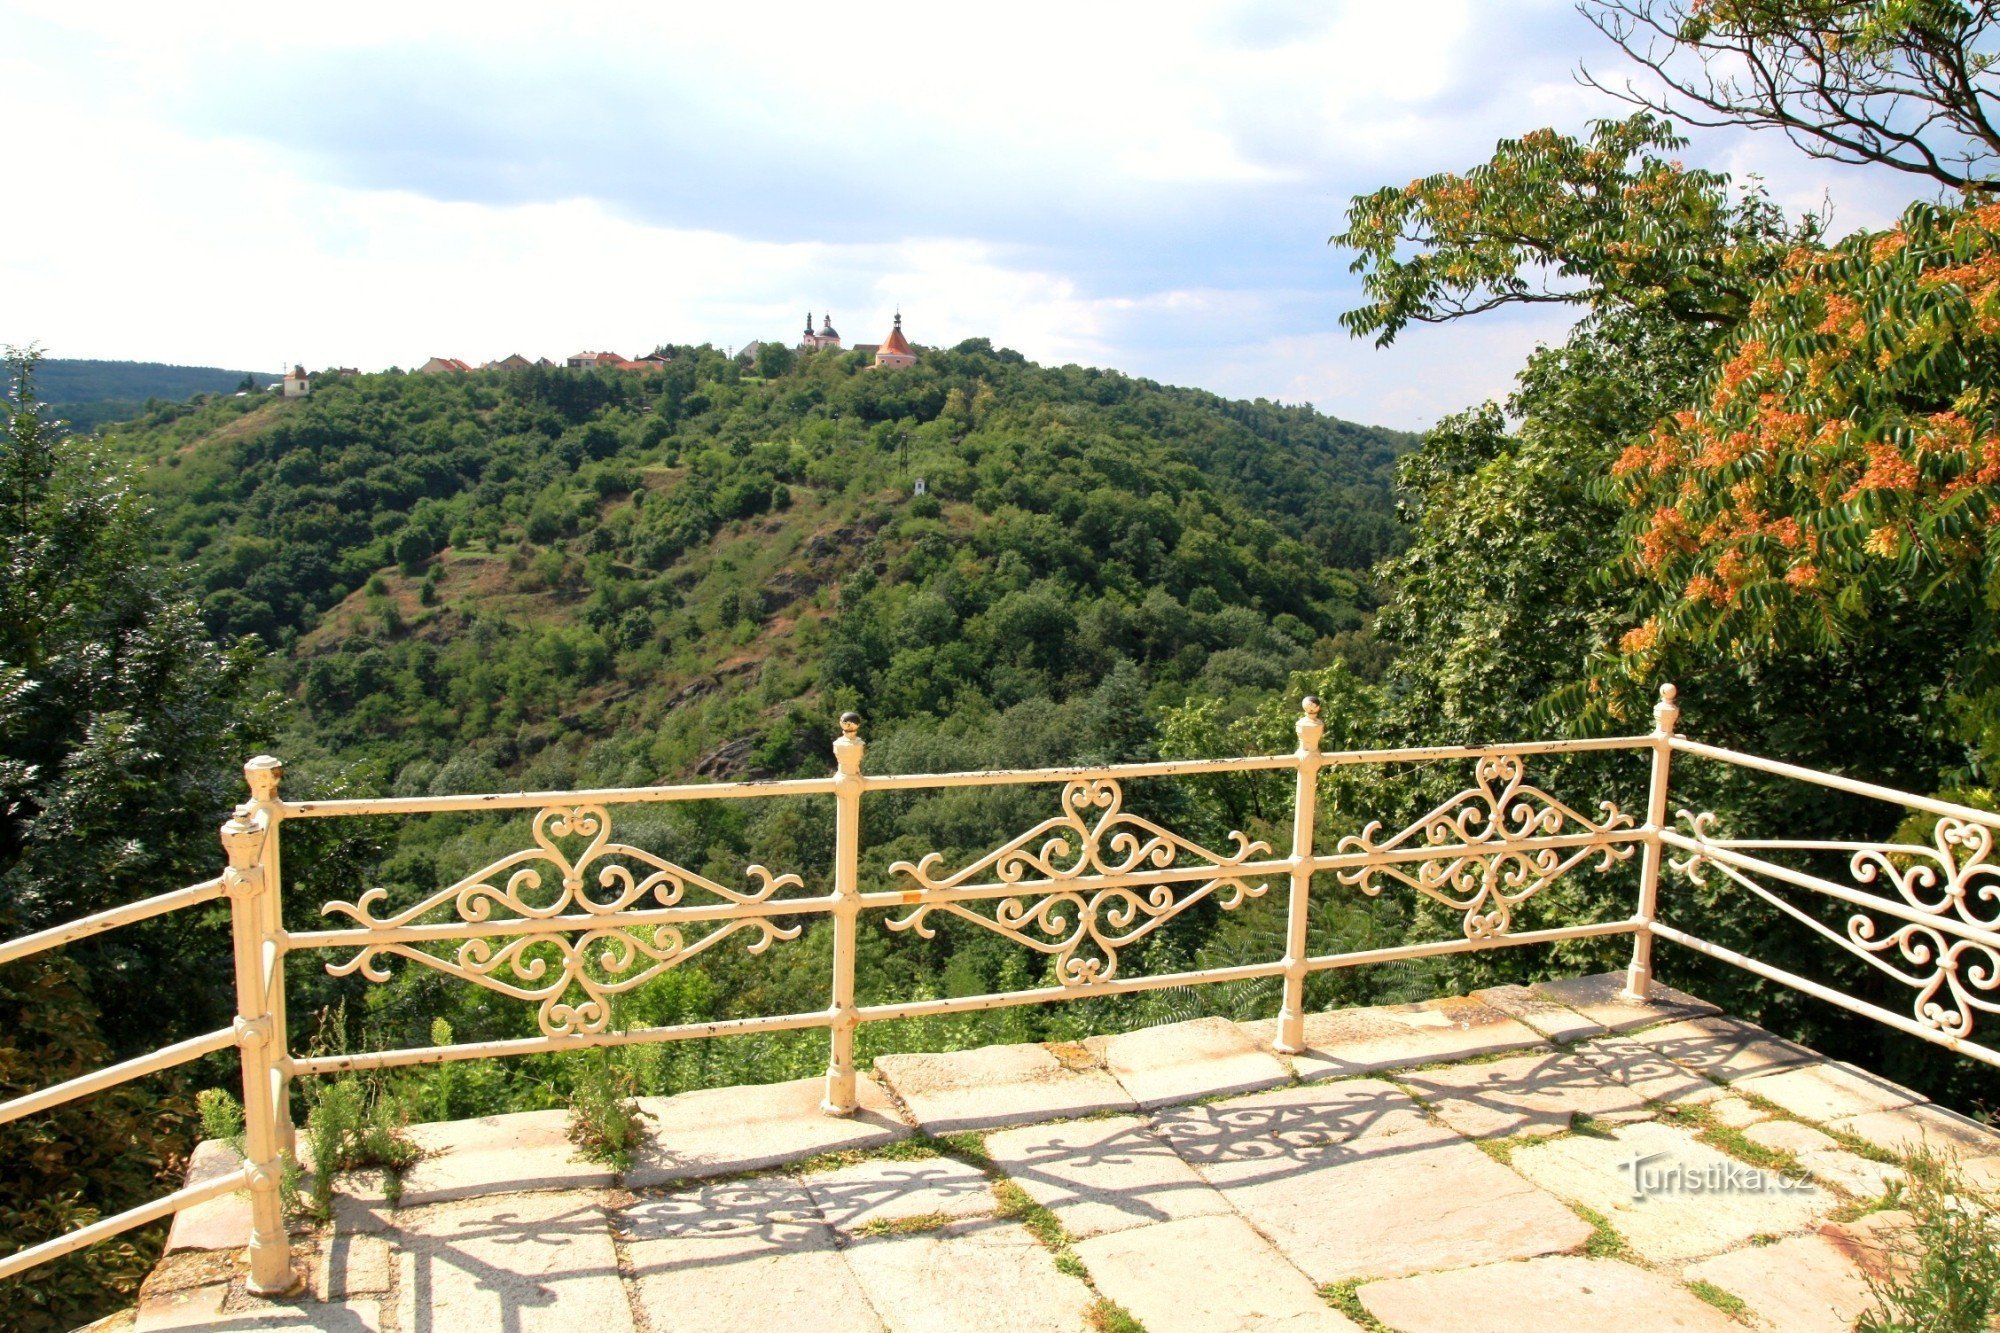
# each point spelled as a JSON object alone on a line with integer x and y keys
{"x": 1460, "y": 1164}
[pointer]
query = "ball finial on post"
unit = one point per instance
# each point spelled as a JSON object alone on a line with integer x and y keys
{"x": 263, "y": 774}
{"x": 848, "y": 747}
{"x": 1667, "y": 712}
{"x": 1309, "y": 727}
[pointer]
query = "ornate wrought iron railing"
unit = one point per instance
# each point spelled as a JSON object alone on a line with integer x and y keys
{"x": 575, "y": 919}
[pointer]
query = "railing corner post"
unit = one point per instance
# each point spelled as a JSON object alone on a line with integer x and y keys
{"x": 1666, "y": 716}
{"x": 847, "y": 753}
{"x": 244, "y": 839}
{"x": 1291, "y": 1039}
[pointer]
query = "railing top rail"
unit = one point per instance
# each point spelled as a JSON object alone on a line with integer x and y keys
{"x": 713, "y": 791}
{"x": 533, "y": 800}
{"x": 96, "y": 923}
{"x": 1835, "y": 782}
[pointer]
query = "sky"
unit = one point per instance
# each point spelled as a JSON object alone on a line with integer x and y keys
{"x": 1145, "y": 187}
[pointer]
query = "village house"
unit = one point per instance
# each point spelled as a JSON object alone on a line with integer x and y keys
{"x": 444, "y": 365}
{"x": 297, "y": 383}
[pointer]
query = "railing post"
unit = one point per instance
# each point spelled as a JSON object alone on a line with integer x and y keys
{"x": 1666, "y": 714}
{"x": 1305, "y": 807}
{"x": 263, "y": 774}
{"x": 243, "y": 838}
{"x": 847, "y": 752}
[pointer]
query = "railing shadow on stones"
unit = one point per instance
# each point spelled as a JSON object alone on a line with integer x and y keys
{"x": 577, "y": 919}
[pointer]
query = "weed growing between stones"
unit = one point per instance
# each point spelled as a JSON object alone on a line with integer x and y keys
{"x": 353, "y": 1121}
{"x": 1727, "y": 1302}
{"x": 1342, "y": 1297}
{"x": 603, "y": 1117}
{"x": 1604, "y": 1242}
{"x": 1943, "y": 1272}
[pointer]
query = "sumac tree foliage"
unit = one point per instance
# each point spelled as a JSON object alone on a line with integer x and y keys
{"x": 1555, "y": 219}
{"x": 1841, "y": 466}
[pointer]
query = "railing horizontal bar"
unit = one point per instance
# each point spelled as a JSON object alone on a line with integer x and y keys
{"x": 1885, "y": 1016}
{"x": 1431, "y": 753}
{"x": 1397, "y": 953}
{"x": 960, "y": 1004}
{"x": 532, "y": 800}
{"x": 436, "y": 1055}
{"x": 112, "y": 1075}
{"x": 22, "y": 1260}
{"x": 1164, "y": 768}
{"x": 1836, "y": 782}
{"x": 1867, "y": 901}
{"x": 1450, "y": 851}
{"x": 542, "y": 925}
{"x": 84, "y": 927}
{"x": 1133, "y": 879}
{"x": 1001, "y": 777}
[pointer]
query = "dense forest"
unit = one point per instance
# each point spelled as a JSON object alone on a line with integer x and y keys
{"x": 1764, "y": 464}
{"x": 88, "y": 395}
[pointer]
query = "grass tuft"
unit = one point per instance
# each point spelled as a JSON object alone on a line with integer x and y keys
{"x": 1728, "y": 1302}
{"x": 1344, "y": 1297}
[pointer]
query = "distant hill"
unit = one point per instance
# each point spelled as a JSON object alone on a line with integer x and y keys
{"x": 677, "y": 570}
{"x": 90, "y": 394}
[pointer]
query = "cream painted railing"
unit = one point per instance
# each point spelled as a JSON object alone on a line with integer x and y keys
{"x": 576, "y": 919}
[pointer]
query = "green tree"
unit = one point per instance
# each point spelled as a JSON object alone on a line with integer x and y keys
{"x": 121, "y": 728}
{"x": 1553, "y": 219}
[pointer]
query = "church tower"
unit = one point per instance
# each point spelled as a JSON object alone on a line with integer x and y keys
{"x": 895, "y": 353}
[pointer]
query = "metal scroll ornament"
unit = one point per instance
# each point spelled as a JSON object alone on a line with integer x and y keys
{"x": 1953, "y": 881}
{"x": 570, "y": 969}
{"x": 1080, "y": 919}
{"x": 1493, "y": 864}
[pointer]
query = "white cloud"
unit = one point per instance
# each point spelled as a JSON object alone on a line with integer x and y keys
{"x": 1141, "y": 186}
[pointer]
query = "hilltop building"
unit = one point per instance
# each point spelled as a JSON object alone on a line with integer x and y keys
{"x": 894, "y": 353}
{"x": 444, "y": 365}
{"x": 297, "y": 383}
{"x": 826, "y": 337}
{"x": 514, "y": 361}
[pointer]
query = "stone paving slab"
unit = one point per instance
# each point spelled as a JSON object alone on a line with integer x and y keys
{"x": 218, "y": 1224}
{"x": 1801, "y": 1284}
{"x": 749, "y": 1254}
{"x": 1829, "y": 1090}
{"x": 1724, "y": 1048}
{"x": 966, "y": 1275}
{"x": 1542, "y": 1294}
{"x": 1736, "y": 1112}
{"x": 1789, "y": 1136}
{"x": 1671, "y": 1197}
{"x": 351, "y": 1266}
{"x": 1179, "y": 1062}
{"x": 1558, "y": 1022}
{"x": 1522, "y": 1094}
{"x": 1648, "y": 1073}
{"x": 1099, "y": 1176}
{"x": 520, "y": 1262}
{"x": 721, "y": 1131}
{"x": 497, "y": 1154}
{"x": 1204, "y": 1273}
{"x": 997, "y": 1086}
{"x": 1346, "y": 1042}
{"x": 1824, "y": 1158}
{"x": 1602, "y": 999}
{"x": 872, "y": 1193}
{"x": 1910, "y": 1127}
{"x": 1350, "y": 1180}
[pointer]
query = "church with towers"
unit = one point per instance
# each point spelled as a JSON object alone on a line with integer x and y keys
{"x": 892, "y": 353}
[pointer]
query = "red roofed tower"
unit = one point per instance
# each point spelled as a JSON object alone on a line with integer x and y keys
{"x": 895, "y": 353}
